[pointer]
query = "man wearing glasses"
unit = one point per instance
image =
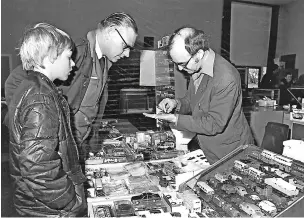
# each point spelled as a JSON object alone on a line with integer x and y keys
{"x": 211, "y": 107}
{"x": 86, "y": 89}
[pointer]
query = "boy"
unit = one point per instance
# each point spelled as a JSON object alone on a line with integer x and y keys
{"x": 47, "y": 177}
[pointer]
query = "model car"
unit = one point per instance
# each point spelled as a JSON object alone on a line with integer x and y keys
{"x": 251, "y": 209}
{"x": 229, "y": 189}
{"x": 255, "y": 197}
{"x": 241, "y": 190}
{"x": 102, "y": 211}
{"x": 268, "y": 207}
{"x": 249, "y": 184}
{"x": 278, "y": 200}
{"x": 233, "y": 176}
{"x": 218, "y": 201}
{"x": 176, "y": 214}
{"x": 166, "y": 145}
{"x": 231, "y": 211}
{"x": 156, "y": 210}
{"x": 213, "y": 182}
{"x": 236, "y": 200}
{"x": 146, "y": 200}
{"x": 221, "y": 177}
{"x": 174, "y": 201}
{"x": 123, "y": 208}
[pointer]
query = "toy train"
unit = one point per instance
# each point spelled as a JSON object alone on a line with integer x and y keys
{"x": 283, "y": 163}
{"x": 208, "y": 196}
{"x": 253, "y": 173}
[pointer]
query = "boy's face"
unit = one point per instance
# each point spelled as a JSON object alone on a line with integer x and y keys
{"x": 61, "y": 67}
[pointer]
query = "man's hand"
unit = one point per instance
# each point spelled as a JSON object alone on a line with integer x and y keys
{"x": 167, "y": 105}
{"x": 171, "y": 118}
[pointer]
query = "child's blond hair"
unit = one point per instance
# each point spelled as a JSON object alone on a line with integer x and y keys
{"x": 41, "y": 41}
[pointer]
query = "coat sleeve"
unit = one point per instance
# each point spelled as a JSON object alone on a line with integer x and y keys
{"x": 222, "y": 105}
{"x": 40, "y": 162}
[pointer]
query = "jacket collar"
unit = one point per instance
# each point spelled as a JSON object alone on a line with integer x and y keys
{"x": 207, "y": 63}
{"x": 44, "y": 78}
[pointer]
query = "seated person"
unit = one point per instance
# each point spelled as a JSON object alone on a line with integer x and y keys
{"x": 285, "y": 83}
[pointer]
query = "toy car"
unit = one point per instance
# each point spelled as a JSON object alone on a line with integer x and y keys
{"x": 249, "y": 184}
{"x": 123, "y": 208}
{"x": 229, "y": 189}
{"x": 251, "y": 209}
{"x": 231, "y": 211}
{"x": 102, "y": 211}
{"x": 213, "y": 182}
{"x": 255, "y": 197}
{"x": 218, "y": 201}
{"x": 268, "y": 207}
{"x": 233, "y": 176}
{"x": 176, "y": 214}
{"x": 146, "y": 201}
{"x": 236, "y": 200}
{"x": 241, "y": 190}
{"x": 221, "y": 177}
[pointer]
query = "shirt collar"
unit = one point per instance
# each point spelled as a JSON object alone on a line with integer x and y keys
{"x": 97, "y": 49}
{"x": 208, "y": 62}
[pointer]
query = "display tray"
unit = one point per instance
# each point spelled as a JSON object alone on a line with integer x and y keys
{"x": 250, "y": 182}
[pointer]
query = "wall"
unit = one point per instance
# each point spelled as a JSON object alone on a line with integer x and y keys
{"x": 291, "y": 32}
{"x": 154, "y": 17}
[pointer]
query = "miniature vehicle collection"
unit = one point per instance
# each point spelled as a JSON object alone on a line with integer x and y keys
{"x": 259, "y": 183}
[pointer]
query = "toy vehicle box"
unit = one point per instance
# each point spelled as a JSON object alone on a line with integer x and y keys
{"x": 295, "y": 205}
{"x": 110, "y": 202}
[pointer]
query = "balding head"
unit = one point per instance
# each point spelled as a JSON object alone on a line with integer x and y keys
{"x": 193, "y": 40}
{"x": 185, "y": 43}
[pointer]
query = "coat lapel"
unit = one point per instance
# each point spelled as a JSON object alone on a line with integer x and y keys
{"x": 201, "y": 89}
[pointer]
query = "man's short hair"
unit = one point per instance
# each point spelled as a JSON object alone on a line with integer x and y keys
{"x": 194, "y": 39}
{"x": 40, "y": 41}
{"x": 119, "y": 19}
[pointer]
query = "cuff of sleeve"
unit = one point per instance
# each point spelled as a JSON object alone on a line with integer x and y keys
{"x": 77, "y": 176}
{"x": 178, "y": 105}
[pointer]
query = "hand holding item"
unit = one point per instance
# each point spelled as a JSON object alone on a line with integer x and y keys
{"x": 172, "y": 118}
{"x": 167, "y": 105}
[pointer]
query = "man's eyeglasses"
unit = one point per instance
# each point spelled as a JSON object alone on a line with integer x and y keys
{"x": 184, "y": 65}
{"x": 126, "y": 44}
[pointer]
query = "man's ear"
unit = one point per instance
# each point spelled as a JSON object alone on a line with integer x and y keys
{"x": 109, "y": 32}
{"x": 199, "y": 56}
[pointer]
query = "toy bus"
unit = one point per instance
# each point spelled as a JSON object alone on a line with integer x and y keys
{"x": 282, "y": 186}
{"x": 205, "y": 187}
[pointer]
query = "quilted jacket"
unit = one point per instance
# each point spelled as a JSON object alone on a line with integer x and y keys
{"x": 47, "y": 177}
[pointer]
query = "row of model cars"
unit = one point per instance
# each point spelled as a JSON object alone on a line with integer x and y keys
{"x": 151, "y": 202}
{"x": 254, "y": 186}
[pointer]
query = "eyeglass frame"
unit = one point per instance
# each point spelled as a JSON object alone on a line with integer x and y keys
{"x": 126, "y": 44}
{"x": 184, "y": 65}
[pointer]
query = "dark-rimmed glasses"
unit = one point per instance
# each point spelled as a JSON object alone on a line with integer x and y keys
{"x": 184, "y": 65}
{"x": 126, "y": 44}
